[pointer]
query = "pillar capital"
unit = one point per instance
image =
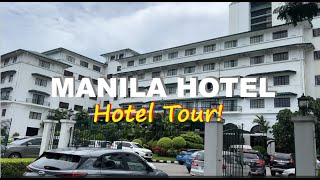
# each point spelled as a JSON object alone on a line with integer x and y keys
{"x": 50, "y": 121}
{"x": 67, "y": 121}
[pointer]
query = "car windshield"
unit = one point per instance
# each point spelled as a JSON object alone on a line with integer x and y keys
{"x": 250, "y": 156}
{"x": 57, "y": 161}
{"x": 137, "y": 146}
{"x": 282, "y": 156}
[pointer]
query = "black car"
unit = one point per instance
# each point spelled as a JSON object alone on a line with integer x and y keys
{"x": 91, "y": 162}
{"x": 255, "y": 160}
{"x": 280, "y": 162}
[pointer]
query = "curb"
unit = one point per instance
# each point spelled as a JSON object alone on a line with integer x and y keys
{"x": 165, "y": 161}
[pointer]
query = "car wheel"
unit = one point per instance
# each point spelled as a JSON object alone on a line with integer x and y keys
{"x": 181, "y": 162}
{"x": 273, "y": 173}
{"x": 15, "y": 155}
{"x": 291, "y": 175}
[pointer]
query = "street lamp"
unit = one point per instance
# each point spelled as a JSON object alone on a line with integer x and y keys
{"x": 70, "y": 113}
{"x": 303, "y": 103}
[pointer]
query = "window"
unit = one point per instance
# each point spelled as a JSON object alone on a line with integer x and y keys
{"x": 41, "y": 82}
{"x": 230, "y": 44}
{"x": 10, "y": 78}
{"x": 44, "y": 64}
{"x": 68, "y": 73}
{"x": 71, "y": 59}
{"x": 190, "y": 52}
{"x": 35, "y": 115}
{"x": 112, "y": 161}
{"x": 188, "y": 70}
{"x": 130, "y": 63}
{"x": 94, "y": 81}
{"x": 172, "y": 72}
{"x": 142, "y": 61}
{"x": 6, "y": 62}
{"x": 316, "y": 55}
{"x": 172, "y": 55}
{"x": 256, "y": 103}
{"x": 140, "y": 76}
{"x": 96, "y": 68}
{"x": 155, "y": 74}
{"x": 14, "y": 60}
{"x": 3, "y": 79}
{"x": 113, "y": 57}
{"x": 105, "y": 103}
{"x": 256, "y": 39}
{"x": 280, "y": 34}
{"x": 80, "y": 77}
{"x": 78, "y": 108}
{"x": 157, "y": 58}
{"x": 93, "y": 98}
{"x": 134, "y": 163}
{"x": 121, "y": 56}
{"x": 230, "y": 63}
{"x": 188, "y": 105}
{"x": 172, "y": 90}
{"x": 3, "y": 113}
{"x": 280, "y": 56}
{"x": 280, "y": 80}
{"x": 31, "y": 131}
{"x": 230, "y": 105}
{"x": 118, "y": 68}
{"x": 38, "y": 99}
{"x": 317, "y": 80}
{"x": 64, "y": 105}
{"x": 257, "y": 60}
{"x": 208, "y": 67}
{"x": 84, "y": 64}
{"x": 208, "y": 48}
{"x": 316, "y": 32}
{"x": 281, "y": 102}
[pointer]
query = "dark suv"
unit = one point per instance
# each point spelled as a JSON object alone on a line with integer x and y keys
{"x": 254, "y": 159}
{"x": 91, "y": 162}
{"x": 280, "y": 162}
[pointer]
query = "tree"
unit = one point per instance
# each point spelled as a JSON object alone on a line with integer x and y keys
{"x": 57, "y": 114}
{"x": 82, "y": 115}
{"x": 295, "y": 12}
{"x": 264, "y": 124}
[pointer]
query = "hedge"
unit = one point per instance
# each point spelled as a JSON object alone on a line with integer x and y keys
{"x": 165, "y": 142}
{"x": 14, "y": 167}
{"x": 194, "y": 145}
{"x": 137, "y": 141}
{"x": 178, "y": 142}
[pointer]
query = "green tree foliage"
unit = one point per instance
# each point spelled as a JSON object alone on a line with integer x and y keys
{"x": 261, "y": 149}
{"x": 178, "y": 142}
{"x": 137, "y": 141}
{"x": 192, "y": 137}
{"x": 57, "y": 114}
{"x": 15, "y": 134}
{"x": 295, "y": 12}
{"x": 260, "y": 120}
{"x": 165, "y": 142}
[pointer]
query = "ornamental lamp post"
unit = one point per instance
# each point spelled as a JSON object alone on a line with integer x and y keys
{"x": 303, "y": 103}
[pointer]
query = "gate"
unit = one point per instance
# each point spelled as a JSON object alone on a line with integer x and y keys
{"x": 54, "y": 136}
{"x": 232, "y": 147}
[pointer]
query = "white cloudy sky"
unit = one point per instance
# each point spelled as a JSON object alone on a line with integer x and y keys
{"x": 92, "y": 29}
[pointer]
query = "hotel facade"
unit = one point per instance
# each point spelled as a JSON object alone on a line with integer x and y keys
{"x": 258, "y": 45}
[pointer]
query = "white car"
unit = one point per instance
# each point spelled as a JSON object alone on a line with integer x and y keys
{"x": 135, "y": 147}
{"x": 292, "y": 171}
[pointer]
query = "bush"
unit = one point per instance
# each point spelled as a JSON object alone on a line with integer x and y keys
{"x": 178, "y": 142}
{"x": 194, "y": 145}
{"x": 14, "y": 167}
{"x": 192, "y": 137}
{"x": 15, "y": 134}
{"x": 261, "y": 149}
{"x": 171, "y": 152}
{"x": 137, "y": 141}
{"x": 165, "y": 142}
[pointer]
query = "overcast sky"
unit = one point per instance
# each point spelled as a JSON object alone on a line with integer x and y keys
{"x": 92, "y": 29}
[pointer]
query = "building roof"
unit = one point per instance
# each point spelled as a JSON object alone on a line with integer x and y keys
{"x": 127, "y": 49}
{"x": 60, "y": 49}
{"x": 18, "y": 51}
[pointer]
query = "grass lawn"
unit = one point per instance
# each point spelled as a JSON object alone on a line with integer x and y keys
{"x": 156, "y": 157}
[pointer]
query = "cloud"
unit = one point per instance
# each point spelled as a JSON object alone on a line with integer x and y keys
{"x": 92, "y": 29}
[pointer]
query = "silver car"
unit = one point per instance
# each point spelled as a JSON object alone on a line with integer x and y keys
{"x": 233, "y": 166}
{"x": 23, "y": 148}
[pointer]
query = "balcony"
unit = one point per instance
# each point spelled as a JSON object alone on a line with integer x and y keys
{"x": 37, "y": 101}
{"x": 225, "y": 109}
{"x": 6, "y": 98}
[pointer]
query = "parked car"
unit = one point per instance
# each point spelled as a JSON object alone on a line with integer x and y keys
{"x": 280, "y": 162}
{"x": 236, "y": 148}
{"x": 135, "y": 147}
{"x": 23, "y": 148}
{"x": 254, "y": 159}
{"x": 233, "y": 165}
{"x": 91, "y": 162}
{"x": 189, "y": 161}
{"x": 183, "y": 155}
{"x": 100, "y": 143}
{"x": 292, "y": 171}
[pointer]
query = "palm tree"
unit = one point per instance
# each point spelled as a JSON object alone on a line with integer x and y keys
{"x": 264, "y": 124}
{"x": 294, "y": 12}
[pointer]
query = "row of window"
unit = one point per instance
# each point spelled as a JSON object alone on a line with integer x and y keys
{"x": 3, "y": 78}
{"x": 6, "y": 62}
{"x": 278, "y": 102}
{"x": 70, "y": 74}
{"x": 65, "y": 105}
{"x": 83, "y": 63}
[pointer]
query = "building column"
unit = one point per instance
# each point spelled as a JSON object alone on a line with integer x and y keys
{"x": 213, "y": 146}
{"x": 305, "y": 145}
{"x": 48, "y": 132}
{"x": 65, "y": 132}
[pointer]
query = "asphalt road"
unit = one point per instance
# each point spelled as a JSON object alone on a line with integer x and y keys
{"x": 173, "y": 169}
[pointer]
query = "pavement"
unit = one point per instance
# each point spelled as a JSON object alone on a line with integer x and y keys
{"x": 175, "y": 169}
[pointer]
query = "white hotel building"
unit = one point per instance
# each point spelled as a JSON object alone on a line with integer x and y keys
{"x": 256, "y": 47}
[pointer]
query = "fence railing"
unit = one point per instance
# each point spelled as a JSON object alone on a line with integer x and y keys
{"x": 8, "y": 98}
{"x": 37, "y": 101}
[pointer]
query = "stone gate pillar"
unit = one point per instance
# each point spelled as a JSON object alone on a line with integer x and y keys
{"x": 305, "y": 145}
{"x": 65, "y": 134}
{"x": 48, "y": 132}
{"x": 213, "y": 146}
